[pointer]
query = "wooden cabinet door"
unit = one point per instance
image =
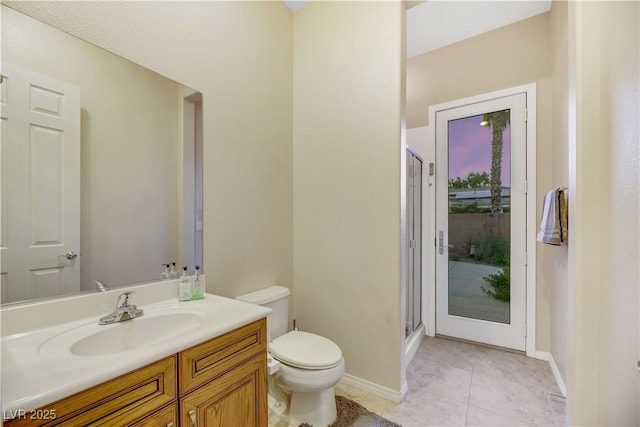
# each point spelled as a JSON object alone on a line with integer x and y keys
{"x": 166, "y": 417}
{"x": 238, "y": 398}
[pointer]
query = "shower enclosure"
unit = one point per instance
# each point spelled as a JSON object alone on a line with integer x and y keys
{"x": 413, "y": 318}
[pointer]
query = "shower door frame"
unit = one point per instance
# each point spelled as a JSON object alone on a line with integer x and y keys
{"x": 416, "y": 243}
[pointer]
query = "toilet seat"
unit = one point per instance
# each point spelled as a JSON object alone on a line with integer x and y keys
{"x": 306, "y": 351}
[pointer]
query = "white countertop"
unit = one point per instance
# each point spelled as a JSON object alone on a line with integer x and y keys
{"x": 32, "y": 378}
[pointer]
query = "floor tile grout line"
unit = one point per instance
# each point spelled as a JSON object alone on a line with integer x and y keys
{"x": 441, "y": 363}
{"x": 466, "y": 416}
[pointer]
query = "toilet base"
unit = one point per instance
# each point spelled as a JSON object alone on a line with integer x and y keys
{"x": 278, "y": 401}
{"x": 314, "y": 408}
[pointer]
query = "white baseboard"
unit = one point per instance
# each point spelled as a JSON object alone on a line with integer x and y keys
{"x": 542, "y": 355}
{"x": 411, "y": 347}
{"x": 376, "y": 389}
{"x": 545, "y": 355}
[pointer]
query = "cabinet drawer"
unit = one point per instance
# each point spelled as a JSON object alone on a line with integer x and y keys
{"x": 204, "y": 362}
{"x": 237, "y": 398}
{"x": 167, "y": 417}
{"x": 117, "y": 402}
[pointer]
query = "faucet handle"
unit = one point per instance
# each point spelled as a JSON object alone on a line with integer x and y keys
{"x": 123, "y": 299}
{"x": 101, "y": 286}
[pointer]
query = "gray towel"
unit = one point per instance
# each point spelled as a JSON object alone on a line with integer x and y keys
{"x": 553, "y": 227}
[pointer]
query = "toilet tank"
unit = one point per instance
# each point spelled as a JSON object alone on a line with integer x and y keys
{"x": 277, "y": 299}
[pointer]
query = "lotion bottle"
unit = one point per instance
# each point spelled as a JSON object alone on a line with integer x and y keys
{"x": 173, "y": 273}
{"x": 198, "y": 285}
{"x": 185, "y": 286}
{"x": 165, "y": 273}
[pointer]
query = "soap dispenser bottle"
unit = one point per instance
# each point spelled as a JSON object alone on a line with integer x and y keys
{"x": 198, "y": 285}
{"x": 173, "y": 273}
{"x": 165, "y": 274}
{"x": 185, "y": 286}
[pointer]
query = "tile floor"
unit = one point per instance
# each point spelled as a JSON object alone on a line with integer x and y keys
{"x": 453, "y": 383}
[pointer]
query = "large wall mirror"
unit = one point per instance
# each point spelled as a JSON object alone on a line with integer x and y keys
{"x": 100, "y": 162}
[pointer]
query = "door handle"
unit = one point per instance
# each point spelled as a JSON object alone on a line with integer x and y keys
{"x": 71, "y": 255}
{"x": 441, "y": 244}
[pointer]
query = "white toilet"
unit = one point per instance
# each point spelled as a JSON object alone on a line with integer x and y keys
{"x": 306, "y": 366}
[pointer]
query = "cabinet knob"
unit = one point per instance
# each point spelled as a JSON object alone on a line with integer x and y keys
{"x": 192, "y": 415}
{"x": 171, "y": 424}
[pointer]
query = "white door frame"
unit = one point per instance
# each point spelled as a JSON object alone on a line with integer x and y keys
{"x": 531, "y": 211}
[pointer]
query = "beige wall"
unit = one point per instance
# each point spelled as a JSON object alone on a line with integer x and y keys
{"x": 130, "y": 198}
{"x": 239, "y": 55}
{"x": 555, "y": 258}
{"x": 603, "y": 323}
{"x": 619, "y": 145}
{"x": 509, "y": 56}
{"x": 347, "y": 148}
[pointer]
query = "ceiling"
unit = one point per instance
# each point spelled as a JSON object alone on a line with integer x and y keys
{"x": 296, "y": 4}
{"x": 437, "y": 23}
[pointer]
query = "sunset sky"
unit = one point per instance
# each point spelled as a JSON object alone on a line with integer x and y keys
{"x": 470, "y": 149}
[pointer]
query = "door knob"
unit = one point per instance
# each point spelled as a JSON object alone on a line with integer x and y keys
{"x": 71, "y": 255}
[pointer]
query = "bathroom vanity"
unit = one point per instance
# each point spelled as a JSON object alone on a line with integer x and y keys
{"x": 196, "y": 363}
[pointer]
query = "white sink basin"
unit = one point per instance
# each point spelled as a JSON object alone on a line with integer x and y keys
{"x": 134, "y": 333}
{"x": 100, "y": 340}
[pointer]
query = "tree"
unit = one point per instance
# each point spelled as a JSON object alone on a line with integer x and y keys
{"x": 478, "y": 180}
{"x": 456, "y": 184}
{"x": 498, "y": 121}
{"x": 473, "y": 180}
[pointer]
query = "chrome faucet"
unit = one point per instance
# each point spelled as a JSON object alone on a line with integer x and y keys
{"x": 123, "y": 311}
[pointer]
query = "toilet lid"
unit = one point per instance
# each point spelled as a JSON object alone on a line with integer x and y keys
{"x": 305, "y": 350}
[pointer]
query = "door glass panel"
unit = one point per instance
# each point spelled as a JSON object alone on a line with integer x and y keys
{"x": 408, "y": 325}
{"x": 417, "y": 243}
{"x": 479, "y": 216}
{"x": 414, "y": 244}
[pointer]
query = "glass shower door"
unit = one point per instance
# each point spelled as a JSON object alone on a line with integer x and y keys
{"x": 414, "y": 244}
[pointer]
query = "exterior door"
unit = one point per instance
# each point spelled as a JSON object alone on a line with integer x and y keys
{"x": 40, "y": 155}
{"x": 481, "y": 222}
